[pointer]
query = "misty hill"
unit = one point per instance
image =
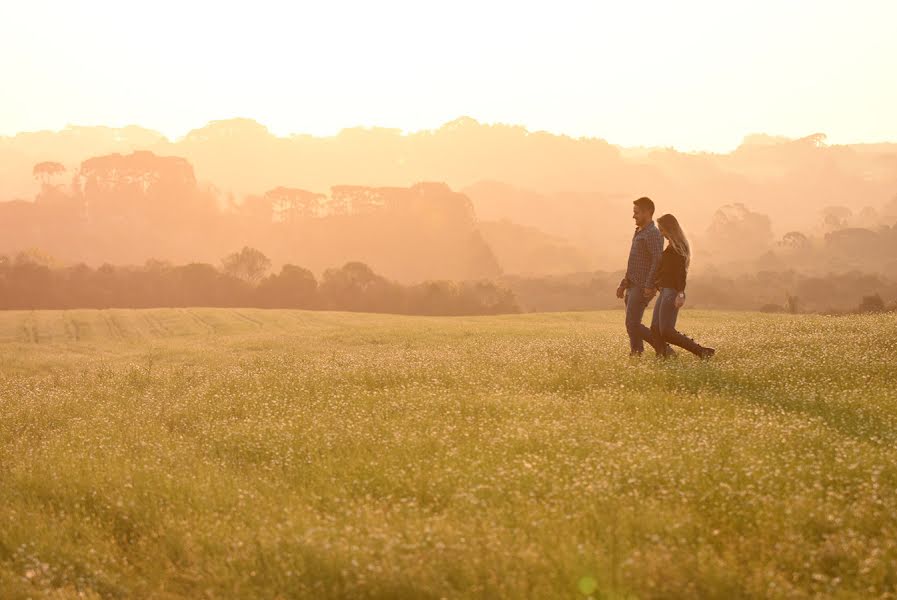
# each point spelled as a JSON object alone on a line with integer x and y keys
{"x": 577, "y": 190}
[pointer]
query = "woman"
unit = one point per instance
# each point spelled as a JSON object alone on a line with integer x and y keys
{"x": 670, "y": 280}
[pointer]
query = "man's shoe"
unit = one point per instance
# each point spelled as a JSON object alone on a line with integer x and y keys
{"x": 635, "y": 354}
{"x": 706, "y": 353}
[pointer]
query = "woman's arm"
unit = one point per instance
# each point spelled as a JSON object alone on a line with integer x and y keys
{"x": 680, "y": 273}
{"x": 680, "y": 281}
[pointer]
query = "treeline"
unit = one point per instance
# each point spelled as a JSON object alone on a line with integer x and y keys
{"x": 31, "y": 281}
{"x": 466, "y": 201}
{"x": 129, "y": 209}
{"x": 768, "y": 291}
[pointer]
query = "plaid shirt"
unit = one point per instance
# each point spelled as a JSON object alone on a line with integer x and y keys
{"x": 644, "y": 257}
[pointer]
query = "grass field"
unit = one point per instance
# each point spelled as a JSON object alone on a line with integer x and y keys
{"x": 214, "y": 453}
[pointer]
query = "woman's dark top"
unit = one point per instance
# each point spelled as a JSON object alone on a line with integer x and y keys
{"x": 671, "y": 272}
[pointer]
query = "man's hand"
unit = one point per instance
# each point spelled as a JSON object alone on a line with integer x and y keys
{"x": 680, "y": 301}
{"x": 649, "y": 292}
{"x": 620, "y": 291}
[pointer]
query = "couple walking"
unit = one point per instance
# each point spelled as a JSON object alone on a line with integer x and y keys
{"x": 650, "y": 269}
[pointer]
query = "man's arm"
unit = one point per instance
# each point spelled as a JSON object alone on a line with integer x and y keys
{"x": 621, "y": 290}
{"x": 654, "y": 244}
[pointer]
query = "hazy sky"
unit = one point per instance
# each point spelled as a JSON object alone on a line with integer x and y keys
{"x": 689, "y": 74}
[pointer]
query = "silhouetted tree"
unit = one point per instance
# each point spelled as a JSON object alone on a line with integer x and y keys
{"x": 889, "y": 211}
{"x": 141, "y": 185}
{"x": 794, "y": 240}
{"x": 853, "y": 242}
{"x": 735, "y": 227}
{"x": 356, "y": 287}
{"x": 294, "y": 287}
{"x": 248, "y": 264}
{"x": 45, "y": 171}
{"x": 291, "y": 204}
{"x": 872, "y": 303}
{"x": 835, "y": 217}
{"x": 793, "y": 304}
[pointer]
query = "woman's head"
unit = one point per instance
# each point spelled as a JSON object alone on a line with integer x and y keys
{"x": 670, "y": 229}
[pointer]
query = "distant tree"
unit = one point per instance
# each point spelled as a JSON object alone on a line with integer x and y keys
{"x": 854, "y": 242}
{"x": 835, "y": 217}
{"x": 735, "y": 229}
{"x": 794, "y": 240}
{"x": 141, "y": 185}
{"x": 45, "y": 171}
{"x": 154, "y": 264}
{"x": 485, "y": 297}
{"x": 355, "y": 286}
{"x": 872, "y": 304}
{"x": 816, "y": 140}
{"x": 294, "y": 287}
{"x": 291, "y": 204}
{"x": 248, "y": 264}
{"x": 32, "y": 282}
{"x": 195, "y": 284}
{"x": 867, "y": 217}
{"x": 356, "y": 199}
{"x": 793, "y": 304}
{"x": 35, "y": 256}
{"x": 889, "y": 211}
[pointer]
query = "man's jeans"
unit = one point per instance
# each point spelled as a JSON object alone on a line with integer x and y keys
{"x": 663, "y": 323}
{"x": 638, "y": 333}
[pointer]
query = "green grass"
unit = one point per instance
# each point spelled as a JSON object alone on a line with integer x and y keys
{"x": 216, "y": 453}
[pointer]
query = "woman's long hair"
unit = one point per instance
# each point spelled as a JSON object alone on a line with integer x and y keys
{"x": 677, "y": 238}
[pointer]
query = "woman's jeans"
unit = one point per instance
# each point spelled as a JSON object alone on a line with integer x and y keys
{"x": 663, "y": 323}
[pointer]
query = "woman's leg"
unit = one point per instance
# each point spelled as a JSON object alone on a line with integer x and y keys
{"x": 657, "y": 342}
{"x": 668, "y": 315}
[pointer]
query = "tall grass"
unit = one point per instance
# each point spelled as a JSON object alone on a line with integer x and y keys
{"x": 199, "y": 453}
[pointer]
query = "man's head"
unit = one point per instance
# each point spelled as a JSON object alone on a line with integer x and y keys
{"x": 643, "y": 211}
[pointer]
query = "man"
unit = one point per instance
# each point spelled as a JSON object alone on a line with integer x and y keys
{"x": 637, "y": 287}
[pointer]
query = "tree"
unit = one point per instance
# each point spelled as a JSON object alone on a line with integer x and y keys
{"x": 794, "y": 240}
{"x": 290, "y": 204}
{"x": 357, "y": 287}
{"x": 835, "y": 217}
{"x": 248, "y": 264}
{"x": 735, "y": 228}
{"x": 889, "y": 211}
{"x": 45, "y": 171}
{"x": 294, "y": 287}
{"x": 140, "y": 184}
{"x": 793, "y": 304}
{"x": 871, "y": 304}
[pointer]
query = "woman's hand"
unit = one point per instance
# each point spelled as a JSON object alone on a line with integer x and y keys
{"x": 680, "y": 301}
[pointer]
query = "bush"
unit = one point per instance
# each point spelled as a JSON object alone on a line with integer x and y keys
{"x": 872, "y": 304}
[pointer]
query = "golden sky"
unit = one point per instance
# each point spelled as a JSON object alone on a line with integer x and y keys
{"x": 690, "y": 74}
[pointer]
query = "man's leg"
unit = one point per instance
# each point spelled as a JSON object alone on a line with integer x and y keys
{"x": 635, "y": 310}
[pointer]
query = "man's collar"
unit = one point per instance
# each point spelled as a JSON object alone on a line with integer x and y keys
{"x": 645, "y": 226}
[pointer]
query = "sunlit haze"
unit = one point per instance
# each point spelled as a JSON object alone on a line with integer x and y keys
{"x": 693, "y": 75}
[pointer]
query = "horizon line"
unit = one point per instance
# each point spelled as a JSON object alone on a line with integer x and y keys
{"x": 173, "y": 139}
